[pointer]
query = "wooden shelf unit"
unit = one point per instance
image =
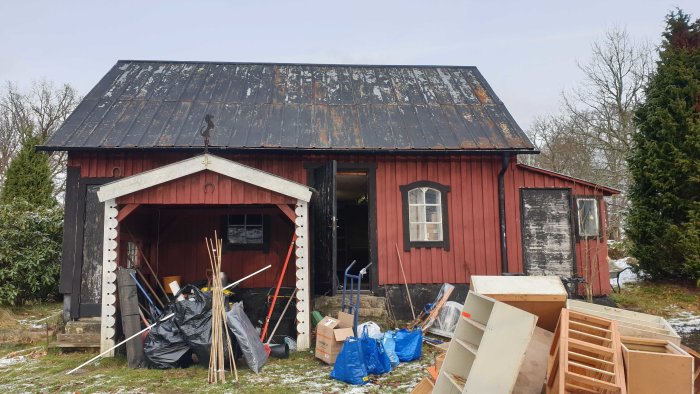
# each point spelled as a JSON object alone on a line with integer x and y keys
{"x": 480, "y": 359}
{"x": 543, "y": 296}
{"x": 586, "y": 356}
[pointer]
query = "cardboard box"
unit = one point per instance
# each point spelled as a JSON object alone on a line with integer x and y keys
{"x": 330, "y": 335}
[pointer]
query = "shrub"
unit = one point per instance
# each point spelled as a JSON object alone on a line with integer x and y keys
{"x": 30, "y": 252}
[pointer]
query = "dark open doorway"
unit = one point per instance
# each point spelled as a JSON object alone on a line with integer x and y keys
{"x": 353, "y": 234}
{"x": 343, "y": 224}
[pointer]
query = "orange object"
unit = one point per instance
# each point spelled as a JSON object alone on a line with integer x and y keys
{"x": 277, "y": 290}
{"x": 467, "y": 315}
{"x": 168, "y": 279}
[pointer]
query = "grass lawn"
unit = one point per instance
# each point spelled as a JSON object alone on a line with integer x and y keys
{"x": 664, "y": 299}
{"x": 45, "y": 372}
{"x": 26, "y": 366}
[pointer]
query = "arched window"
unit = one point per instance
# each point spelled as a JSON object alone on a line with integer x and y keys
{"x": 425, "y": 215}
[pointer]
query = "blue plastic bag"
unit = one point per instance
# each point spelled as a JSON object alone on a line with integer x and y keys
{"x": 350, "y": 365}
{"x": 388, "y": 341}
{"x": 409, "y": 344}
{"x": 376, "y": 359}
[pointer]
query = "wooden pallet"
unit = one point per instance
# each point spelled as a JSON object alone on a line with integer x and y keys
{"x": 586, "y": 356}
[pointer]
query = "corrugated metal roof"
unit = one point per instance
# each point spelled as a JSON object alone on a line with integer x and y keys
{"x": 152, "y": 104}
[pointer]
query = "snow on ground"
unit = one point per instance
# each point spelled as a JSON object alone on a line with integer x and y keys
{"x": 626, "y": 276}
{"x": 685, "y": 323}
{"x": 8, "y": 361}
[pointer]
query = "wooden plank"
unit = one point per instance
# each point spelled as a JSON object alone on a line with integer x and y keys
{"x": 425, "y": 386}
{"x": 287, "y": 211}
{"x": 131, "y": 320}
{"x": 533, "y": 372}
{"x": 126, "y": 211}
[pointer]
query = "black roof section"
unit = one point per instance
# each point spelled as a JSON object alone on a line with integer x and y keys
{"x": 161, "y": 105}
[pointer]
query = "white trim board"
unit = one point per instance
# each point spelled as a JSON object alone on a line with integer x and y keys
{"x": 200, "y": 163}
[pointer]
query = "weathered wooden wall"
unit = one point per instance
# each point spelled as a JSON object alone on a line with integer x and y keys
{"x": 472, "y": 205}
{"x": 518, "y": 177}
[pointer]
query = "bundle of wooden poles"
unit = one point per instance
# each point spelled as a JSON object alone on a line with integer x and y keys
{"x": 219, "y": 327}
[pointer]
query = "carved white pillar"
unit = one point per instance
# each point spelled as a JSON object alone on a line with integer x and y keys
{"x": 302, "y": 276}
{"x": 109, "y": 276}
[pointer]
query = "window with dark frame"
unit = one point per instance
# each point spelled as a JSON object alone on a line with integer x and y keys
{"x": 245, "y": 231}
{"x": 588, "y": 217}
{"x": 425, "y": 215}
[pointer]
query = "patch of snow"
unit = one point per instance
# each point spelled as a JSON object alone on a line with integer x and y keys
{"x": 626, "y": 276}
{"x": 9, "y": 361}
{"x": 685, "y": 322}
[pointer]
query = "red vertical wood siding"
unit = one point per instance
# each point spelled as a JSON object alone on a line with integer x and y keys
{"x": 180, "y": 249}
{"x": 472, "y": 208}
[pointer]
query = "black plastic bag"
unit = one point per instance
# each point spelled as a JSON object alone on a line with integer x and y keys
{"x": 165, "y": 346}
{"x": 193, "y": 318}
{"x": 247, "y": 337}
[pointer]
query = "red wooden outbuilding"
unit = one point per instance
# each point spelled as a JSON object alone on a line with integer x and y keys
{"x": 362, "y": 163}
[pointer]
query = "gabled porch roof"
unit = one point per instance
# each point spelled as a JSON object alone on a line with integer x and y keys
{"x": 200, "y": 163}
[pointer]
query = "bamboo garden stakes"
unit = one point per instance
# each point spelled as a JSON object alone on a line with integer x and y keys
{"x": 219, "y": 327}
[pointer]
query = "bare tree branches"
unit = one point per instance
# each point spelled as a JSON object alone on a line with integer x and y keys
{"x": 593, "y": 134}
{"x": 36, "y": 113}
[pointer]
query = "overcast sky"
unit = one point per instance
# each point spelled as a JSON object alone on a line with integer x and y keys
{"x": 526, "y": 50}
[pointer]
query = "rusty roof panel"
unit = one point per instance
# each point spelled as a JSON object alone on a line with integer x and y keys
{"x": 152, "y": 104}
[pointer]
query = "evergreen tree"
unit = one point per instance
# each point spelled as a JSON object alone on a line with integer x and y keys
{"x": 29, "y": 177}
{"x": 664, "y": 218}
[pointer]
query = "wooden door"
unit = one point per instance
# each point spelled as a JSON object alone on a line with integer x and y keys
{"x": 547, "y": 232}
{"x": 86, "y": 295}
{"x": 323, "y": 212}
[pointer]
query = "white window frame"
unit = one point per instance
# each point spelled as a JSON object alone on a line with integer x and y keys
{"x": 579, "y": 215}
{"x": 424, "y": 208}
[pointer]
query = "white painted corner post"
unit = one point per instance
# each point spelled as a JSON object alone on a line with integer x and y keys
{"x": 109, "y": 276}
{"x": 302, "y": 276}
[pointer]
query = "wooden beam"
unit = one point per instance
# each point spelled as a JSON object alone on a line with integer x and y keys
{"x": 126, "y": 211}
{"x": 287, "y": 211}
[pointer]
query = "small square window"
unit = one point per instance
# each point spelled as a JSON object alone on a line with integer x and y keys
{"x": 246, "y": 231}
{"x": 588, "y": 218}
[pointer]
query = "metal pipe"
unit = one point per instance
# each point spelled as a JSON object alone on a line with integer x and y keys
{"x": 502, "y": 212}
